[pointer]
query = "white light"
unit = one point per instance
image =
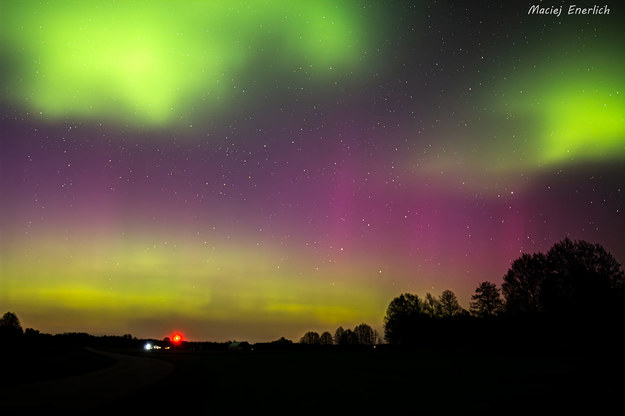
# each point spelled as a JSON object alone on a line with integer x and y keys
{"x": 148, "y": 346}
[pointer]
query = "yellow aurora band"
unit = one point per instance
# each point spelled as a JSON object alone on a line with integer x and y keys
{"x": 162, "y": 62}
{"x": 153, "y": 287}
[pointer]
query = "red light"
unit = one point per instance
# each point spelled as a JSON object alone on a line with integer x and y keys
{"x": 176, "y": 338}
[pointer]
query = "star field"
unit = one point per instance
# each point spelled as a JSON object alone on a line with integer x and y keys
{"x": 258, "y": 170}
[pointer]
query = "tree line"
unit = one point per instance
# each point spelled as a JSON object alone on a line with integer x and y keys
{"x": 362, "y": 334}
{"x": 575, "y": 283}
{"x": 575, "y": 286}
{"x": 12, "y": 335}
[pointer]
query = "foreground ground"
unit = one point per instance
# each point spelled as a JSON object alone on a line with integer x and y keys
{"x": 322, "y": 381}
{"x": 73, "y": 380}
{"x": 381, "y": 381}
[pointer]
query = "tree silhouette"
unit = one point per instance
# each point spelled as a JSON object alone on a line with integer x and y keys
{"x": 10, "y": 325}
{"x": 310, "y": 338}
{"x": 583, "y": 277}
{"x": 338, "y": 334}
{"x": 574, "y": 277}
{"x": 31, "y": 332}
{"x": 348, "y": 338}
{"x": 282, "y": 341}
{"x": 449, "y": 306}
{"x": 364, "y": 334}
{"x": 486, "y": 302}
{"x": 431, "y": 306}
{"x": 524, "y": 284}
{"x": 325, "y": 338}
{"x": 401, "y": 319}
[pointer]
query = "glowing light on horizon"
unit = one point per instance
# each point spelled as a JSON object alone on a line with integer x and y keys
{"x": 250, "y": 169}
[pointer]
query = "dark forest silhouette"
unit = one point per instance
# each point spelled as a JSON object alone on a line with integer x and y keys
{"x": 362, "y": 334}
{"x": 573, "y": 293}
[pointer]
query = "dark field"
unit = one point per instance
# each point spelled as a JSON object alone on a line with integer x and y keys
{"x": 348, "y": 381}
{"x": 381, "y": 381}
{"x": 32, "y": 364}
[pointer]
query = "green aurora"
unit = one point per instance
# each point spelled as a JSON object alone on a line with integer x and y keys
{"x": 262, "y": 168}
{"x": 162, "y": 62}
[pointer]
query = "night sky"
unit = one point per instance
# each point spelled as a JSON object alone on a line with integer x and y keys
{"x": 257, "y": 169}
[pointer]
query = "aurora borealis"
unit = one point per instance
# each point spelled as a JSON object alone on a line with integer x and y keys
{"x": 257, "y": 169}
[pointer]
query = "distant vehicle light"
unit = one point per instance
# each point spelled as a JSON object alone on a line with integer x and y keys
{"x": 148, "y": 346}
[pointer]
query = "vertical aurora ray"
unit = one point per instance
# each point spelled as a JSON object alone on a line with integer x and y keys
{"x": 259, "y": 169}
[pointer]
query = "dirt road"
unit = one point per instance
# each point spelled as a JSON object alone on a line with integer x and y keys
{"x": 87, "y": 391}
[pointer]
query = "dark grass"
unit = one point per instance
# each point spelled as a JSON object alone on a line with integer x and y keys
{"x": 381, "y": 381}
{"x": 31, "y": 363}
{"x": 332, "y": 380}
